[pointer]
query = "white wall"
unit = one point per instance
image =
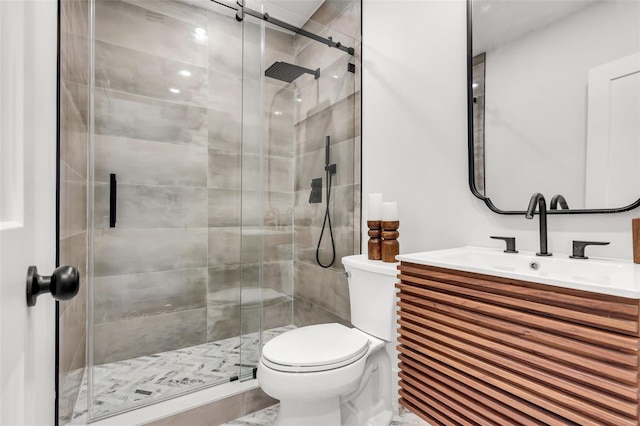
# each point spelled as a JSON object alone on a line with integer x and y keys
{"x": 415, "y": 138}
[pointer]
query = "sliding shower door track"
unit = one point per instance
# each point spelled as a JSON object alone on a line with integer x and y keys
{"x": 241, "y": 10}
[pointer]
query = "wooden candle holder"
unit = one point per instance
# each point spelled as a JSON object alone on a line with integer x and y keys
{"x": 635, "y": 235}
{"x": 390, "y": 244}
{"x": 374, "y": 239}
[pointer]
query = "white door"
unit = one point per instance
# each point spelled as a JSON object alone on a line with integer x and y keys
{"x": 613, "y": 132}
{"x": 27, "y": 208}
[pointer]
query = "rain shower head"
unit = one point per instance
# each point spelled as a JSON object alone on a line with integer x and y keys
{"x": 288, "y": 72}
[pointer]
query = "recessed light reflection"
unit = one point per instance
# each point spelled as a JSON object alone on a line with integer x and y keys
{"x": 298, "y": 99}
{"x": 174, "y": 90}
{"x": 475, "y": 85}
{"x": 335, "y": 76}
{"x": 277, "y": 112}
{"x": 200, "y": 35}
{"x": 185, "y": 73}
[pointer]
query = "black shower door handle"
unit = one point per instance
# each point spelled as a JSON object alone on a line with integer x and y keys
{"x": 113, "y": 188}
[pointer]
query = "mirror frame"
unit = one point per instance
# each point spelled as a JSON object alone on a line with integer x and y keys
{"x": 472, "y": 183}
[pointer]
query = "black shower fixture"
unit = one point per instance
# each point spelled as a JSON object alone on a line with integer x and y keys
{"x": 289, "y": 72}
{"x": 316, "y": 191}
{"x": 330, "y": 170}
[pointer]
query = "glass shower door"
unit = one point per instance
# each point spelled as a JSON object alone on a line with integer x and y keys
{"x": 203, "y": 239}
{"x": 252, "y": 219}
{"x": 296, "y": 92}
{"x": 165, "y": 180}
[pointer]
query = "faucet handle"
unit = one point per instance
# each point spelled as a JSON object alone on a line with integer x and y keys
{"x": 511, "y": 243}
{"x": 579, "y": 246}
{"x": 559, "y": 199}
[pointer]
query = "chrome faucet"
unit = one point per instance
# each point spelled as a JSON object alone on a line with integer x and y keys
{"x": 538, "y": 199}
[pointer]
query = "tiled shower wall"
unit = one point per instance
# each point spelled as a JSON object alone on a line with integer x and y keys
{"x": 168, "y": 124}
{"x": 73, "y": 106}
{"x": 151, "y": 269}
{"x": 327, "y": 107}
{"x": 257, "y": 173}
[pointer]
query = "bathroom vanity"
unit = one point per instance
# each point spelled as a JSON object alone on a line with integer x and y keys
{"x": 494, "y": 338}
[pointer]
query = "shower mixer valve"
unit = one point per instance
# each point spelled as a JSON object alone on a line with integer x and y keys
{"x": 316, "y": 191}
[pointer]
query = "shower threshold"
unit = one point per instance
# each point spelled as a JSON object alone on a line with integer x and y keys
{"x": 133, "y": 383}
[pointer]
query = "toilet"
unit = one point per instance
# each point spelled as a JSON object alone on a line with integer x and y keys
{"x": 333, "y": 375}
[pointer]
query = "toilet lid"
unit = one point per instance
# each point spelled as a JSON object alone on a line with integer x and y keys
{"x": 315, "y": 348}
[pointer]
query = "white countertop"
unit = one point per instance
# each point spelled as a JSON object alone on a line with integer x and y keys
{"x": 599, "y": 275}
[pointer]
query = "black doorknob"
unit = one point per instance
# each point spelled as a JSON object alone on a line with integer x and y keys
{"x": 63, "y": 284}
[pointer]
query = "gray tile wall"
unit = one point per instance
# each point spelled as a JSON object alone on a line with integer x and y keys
{"x": 151, "y": 130}
{"x": 249, "y": 186}
{"x": 152, "y": 114}
{"x": 329, "y": 106}
{"x": 73, "y": 106}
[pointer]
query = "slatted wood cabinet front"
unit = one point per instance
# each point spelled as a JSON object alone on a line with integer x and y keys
{"x": 482, "y": 350}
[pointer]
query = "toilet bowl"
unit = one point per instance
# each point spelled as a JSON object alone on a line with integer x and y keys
{"x": 333, "y": 375}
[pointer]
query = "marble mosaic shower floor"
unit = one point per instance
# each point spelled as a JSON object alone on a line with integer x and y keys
{"x": 267, "y": 417}
{"x": 140, "y": 381}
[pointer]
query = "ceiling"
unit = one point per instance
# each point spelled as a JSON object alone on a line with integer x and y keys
{"x": 498, "y": 22}
{"x": 294, "y": 12}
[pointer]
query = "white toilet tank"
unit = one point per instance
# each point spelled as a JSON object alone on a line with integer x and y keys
{"x": 373, "y": 295}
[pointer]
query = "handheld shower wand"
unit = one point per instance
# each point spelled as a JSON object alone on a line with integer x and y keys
{"x": 327, "y": 147}
{"x": 330, "y": 170}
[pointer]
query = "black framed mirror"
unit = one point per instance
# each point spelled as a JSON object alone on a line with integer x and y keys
{"x": 554, "y": 103}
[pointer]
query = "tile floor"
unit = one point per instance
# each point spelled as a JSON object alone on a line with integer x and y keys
{"x": 123, "y": 385}
{"x": 267, "y": 417}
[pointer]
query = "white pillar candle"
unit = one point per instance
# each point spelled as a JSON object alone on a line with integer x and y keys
{"x": 390, "y": 211}
{"x": 375, "y": 206}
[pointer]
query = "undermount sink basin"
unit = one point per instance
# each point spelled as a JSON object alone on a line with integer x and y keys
{"x": 598, "y": 275}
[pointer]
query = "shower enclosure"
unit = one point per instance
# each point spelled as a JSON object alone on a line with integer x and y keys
{"x": 201, "y": 236}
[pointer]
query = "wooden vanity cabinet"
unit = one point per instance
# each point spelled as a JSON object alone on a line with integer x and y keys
{"x": 483, "y": 350}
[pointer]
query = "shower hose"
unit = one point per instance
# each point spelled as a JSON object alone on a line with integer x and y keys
{"x": 327, "y": 219}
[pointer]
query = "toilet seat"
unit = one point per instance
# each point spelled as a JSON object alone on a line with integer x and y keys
{"x": 315, "y": 348}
